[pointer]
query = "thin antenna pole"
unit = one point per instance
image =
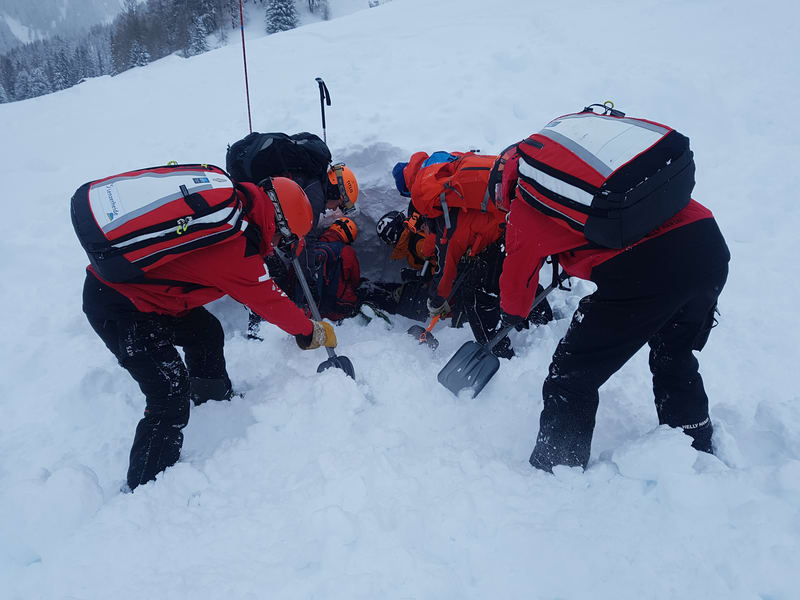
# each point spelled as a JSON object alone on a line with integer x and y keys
{"x": 244, "y": 59}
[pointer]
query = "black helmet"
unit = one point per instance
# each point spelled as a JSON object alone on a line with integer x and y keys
{"x": 390, "y": 227}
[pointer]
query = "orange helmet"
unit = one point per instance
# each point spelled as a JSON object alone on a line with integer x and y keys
{"x": 344, "y": 180}
{"x": 346, "y": 229}
{"x": 292, "y": 209}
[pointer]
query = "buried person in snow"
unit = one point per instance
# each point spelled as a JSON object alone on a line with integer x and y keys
{"x": 412, "y": 242}
{"x": 659, "y": 287}
{"x": 142, "y": 322}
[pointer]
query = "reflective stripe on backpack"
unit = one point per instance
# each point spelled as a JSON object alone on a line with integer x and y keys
{"x": 613, "y": 178}
{"x": 136, "y": 221}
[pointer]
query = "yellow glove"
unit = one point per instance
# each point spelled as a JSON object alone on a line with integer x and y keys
{"x": 322, "y": 335}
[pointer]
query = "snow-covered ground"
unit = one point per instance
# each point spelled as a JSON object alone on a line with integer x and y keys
{"x": 317, "y": 486}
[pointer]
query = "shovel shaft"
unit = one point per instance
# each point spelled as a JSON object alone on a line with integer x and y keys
{"x": 309, "y": 298}
{"x": 536, "y": 301}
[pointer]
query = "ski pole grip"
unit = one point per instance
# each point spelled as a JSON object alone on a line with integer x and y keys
{"x": 324, "y": 94}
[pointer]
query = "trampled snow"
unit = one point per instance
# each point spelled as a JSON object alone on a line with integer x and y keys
{"x": 317, "y": 486}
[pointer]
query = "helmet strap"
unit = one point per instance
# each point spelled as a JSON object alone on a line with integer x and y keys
{"x": 288, "y": 241}
{"x": 343, "y": 227}
{"x": 346, "y": 204}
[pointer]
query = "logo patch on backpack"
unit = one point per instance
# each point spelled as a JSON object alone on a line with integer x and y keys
{"x": 134, "y": 222}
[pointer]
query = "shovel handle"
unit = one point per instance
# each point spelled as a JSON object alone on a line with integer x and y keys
{"x": 424, "y": 335}
{"x": 309, "y": 298}
{"x": 539, "y": 298}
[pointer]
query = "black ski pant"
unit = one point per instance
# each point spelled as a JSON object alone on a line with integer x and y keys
{"x": 662, "y": 292}
{"x": 478, "y": 299}
{"x": 408, "y": 299}
{"x": 144, "y": 344}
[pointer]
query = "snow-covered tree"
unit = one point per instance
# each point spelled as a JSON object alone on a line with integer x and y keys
{"x": 281, "y": 16}
{"x": 39, "y": 85}
{"x": 62, "y": 70}
{"x": 320, "y": 7}
{"x": 22, "y": 85}
{"x": 138, "y": 55}
{"x": 197, "y": 37}
{"x": 3, "y": 96}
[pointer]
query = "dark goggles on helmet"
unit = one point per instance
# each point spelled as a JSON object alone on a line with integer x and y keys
{"x": 347, "y": 205}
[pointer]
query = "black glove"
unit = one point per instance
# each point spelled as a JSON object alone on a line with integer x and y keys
{"x": 408, "y": 274}
{"x": 518, "y": 323}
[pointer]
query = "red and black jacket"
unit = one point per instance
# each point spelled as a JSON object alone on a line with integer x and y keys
{"x": 532, "y": 236}
{"x": 234, "y": 268}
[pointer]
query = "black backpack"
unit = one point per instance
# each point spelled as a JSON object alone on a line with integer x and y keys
{"x": 261, "y": 155}
{"x": 613, "y": 178}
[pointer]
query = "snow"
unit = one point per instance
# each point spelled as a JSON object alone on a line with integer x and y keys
{"x": 20, "y": 31}
{"x": 317, "y": 486}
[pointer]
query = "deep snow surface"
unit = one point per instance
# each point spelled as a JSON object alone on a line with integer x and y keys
{"x": 317, "y": 486}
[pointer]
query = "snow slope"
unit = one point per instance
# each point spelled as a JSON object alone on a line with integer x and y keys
{"x": 316, "y": 486}
{"x": 23, "y": 21}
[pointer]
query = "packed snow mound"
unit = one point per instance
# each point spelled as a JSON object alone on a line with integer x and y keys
{"x": 387, "y": 486}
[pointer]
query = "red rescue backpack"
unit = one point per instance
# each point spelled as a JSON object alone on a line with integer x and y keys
{"x": 458, "y": 180}
{"x": 613, "y": 178}
{"x": 134, "y": 222}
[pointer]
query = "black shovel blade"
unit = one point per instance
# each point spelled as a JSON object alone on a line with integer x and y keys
{"x": 338, "y": 362}
{"x": 416, "y": 331}
{"x": 473, "y": 366}
{"x": 423, "y": 337}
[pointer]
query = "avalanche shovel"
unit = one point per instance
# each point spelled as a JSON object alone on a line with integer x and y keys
{"x": 473, "y": 366}
{"x": 423, "y": 334}
{"x": 339, "y": 362}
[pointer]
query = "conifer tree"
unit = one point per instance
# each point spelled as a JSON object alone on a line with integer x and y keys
{"x": 281, "y": 15}
{"x": 39, "y": 85}
{"x": 3, "y": 96}
{"x": 138, "y": 55}
{"x": 22, "y": 85}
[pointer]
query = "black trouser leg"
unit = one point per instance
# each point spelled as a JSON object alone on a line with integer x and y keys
{"x": 201, "y": 336}
{"x": 680, "y": 397}
{"x": 483, "y": 314}
{"x": 407, "y": 299}
{"x": 660, "y": 292}
{"x": 479, "y": 298}
{"x": 144, "y": 348}
{"x": 603, "y": 335}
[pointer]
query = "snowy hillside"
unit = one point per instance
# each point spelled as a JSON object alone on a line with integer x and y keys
{"x": 317, "y": 486}
{"x": 23, "y": 21}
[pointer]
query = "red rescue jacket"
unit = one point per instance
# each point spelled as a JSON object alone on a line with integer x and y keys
{"x": 471, "y": 230}
{"x": 235, "y": 268}
{"x": 531, "y": 237}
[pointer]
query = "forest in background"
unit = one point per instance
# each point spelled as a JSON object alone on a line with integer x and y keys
{"x": 142, "y": 33}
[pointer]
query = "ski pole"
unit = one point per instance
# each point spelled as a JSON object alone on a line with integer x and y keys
{"x": 244, "y": 59}
{"x": 324, "y": 98}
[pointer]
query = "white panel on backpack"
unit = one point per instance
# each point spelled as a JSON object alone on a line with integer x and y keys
{"x": 603, "y": 142}
{"x": 121, "y": 198}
